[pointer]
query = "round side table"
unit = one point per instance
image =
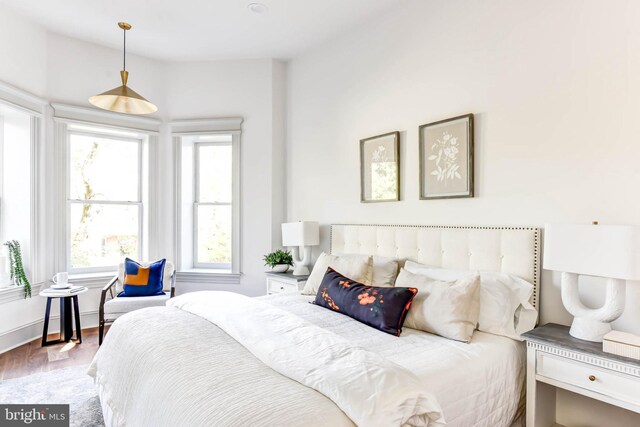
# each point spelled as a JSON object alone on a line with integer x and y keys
{"x": 66, "y": 316}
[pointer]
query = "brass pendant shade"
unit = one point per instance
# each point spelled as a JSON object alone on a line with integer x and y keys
{"x": 123, "y": 99}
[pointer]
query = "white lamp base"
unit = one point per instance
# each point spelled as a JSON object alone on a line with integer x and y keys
{"x": 588, "y": 323}
{"x": 300, "y": 270}
{"x": 588, "y": 329}
{"x": 300, "y": 265}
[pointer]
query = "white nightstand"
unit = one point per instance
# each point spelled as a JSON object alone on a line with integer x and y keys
{"x": 556, "y": 359}
{"x": 278, "y": 283}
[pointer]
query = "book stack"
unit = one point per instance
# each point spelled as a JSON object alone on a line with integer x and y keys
{"x": 622, "y": 344}
{"x": 66, "y": 291}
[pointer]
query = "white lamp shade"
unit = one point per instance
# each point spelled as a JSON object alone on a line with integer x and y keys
{"x": 303, "y": 233}
{"x": 595, "y": 250}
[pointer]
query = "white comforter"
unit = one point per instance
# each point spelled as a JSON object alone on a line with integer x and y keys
{"x": 164, "y": 366}
{"x": 481, "y": 383}
{"x": 370, "y": 389}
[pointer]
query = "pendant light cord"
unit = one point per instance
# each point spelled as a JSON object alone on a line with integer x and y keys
{"x": 124, "y": 52}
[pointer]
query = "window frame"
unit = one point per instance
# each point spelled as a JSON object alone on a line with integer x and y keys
{"x": 197, "y": 203}
{"x": 29, "y": 105}
{"x": 187, "y": 268}
{"x": 102, "y": 132}
{"x": 36, "y": 266}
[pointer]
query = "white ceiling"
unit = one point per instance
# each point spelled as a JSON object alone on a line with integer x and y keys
{"x": 178, "y": 30}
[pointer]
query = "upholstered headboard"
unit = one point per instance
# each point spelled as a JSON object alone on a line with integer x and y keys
{"x": 511, "y": 250}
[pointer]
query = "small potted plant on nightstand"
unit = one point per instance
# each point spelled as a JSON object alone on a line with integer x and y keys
{"x": 278, "y": 260}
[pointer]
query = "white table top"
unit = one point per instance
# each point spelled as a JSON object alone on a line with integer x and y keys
{"x": 57, "y": 293}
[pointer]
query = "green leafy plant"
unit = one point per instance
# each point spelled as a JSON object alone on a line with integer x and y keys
{"x": 16, "y": 268}
{"x": 278, "y": 257}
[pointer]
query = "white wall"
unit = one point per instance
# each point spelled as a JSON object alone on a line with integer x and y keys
{"x": 22, "y": 47}
{"x": 278, "y": 152}
{"x": 554, "y": 87}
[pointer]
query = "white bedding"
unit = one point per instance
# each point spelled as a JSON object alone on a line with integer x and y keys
{"x": 371, "y": 390}
{"x": 476, "y": 384}
{"x": 207, "y": 378}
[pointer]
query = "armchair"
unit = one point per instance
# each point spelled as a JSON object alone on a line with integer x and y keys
{"x": 114, "y": 307}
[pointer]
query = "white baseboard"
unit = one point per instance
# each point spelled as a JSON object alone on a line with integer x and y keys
{"x": 33, "y": 330}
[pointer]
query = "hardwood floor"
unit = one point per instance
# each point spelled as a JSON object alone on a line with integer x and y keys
{"x": 32, "y": 358}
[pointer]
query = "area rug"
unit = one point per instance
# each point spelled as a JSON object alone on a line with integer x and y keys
{"x": 67, "y": 385}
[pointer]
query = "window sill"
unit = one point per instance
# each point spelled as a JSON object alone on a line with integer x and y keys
{"x": 16, "y": 293}
{"x": 91, "y": 280}
{"x": 201, "y": 275}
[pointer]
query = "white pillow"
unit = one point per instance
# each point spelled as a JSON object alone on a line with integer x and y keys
{"x": 384, "y": 271}
{"x": 505, "y": 307}
{"x": 448, "y": 309}
{"x": 355, "y": 267}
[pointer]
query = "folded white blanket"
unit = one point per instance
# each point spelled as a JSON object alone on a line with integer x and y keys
{"x": 371, "y": 390}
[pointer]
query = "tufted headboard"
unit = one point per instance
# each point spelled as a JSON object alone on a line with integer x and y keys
{"x": 511, "y": 250}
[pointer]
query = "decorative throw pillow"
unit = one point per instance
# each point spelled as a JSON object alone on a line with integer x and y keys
{"x": 505, "y": 307}
{"x": 384, "y": 271}
{"x": 448, "y": 309}
{"x": 383, "y": 308}
{"x": 142, "y": 281}
{"x": 354, "y": 266}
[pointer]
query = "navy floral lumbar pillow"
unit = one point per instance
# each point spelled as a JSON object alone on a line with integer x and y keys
{"x": 382, "y": 308}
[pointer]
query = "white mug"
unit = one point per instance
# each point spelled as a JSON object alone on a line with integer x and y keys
{"x": 60, "y": 278}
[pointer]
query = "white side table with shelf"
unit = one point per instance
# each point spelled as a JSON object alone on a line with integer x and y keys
{"x": 555, "y": 359}
{"x": 278, "y": 283}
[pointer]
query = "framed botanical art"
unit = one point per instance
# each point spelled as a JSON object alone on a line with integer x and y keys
{"x": 446, "y": 158}
{"x": 380, "y": 168}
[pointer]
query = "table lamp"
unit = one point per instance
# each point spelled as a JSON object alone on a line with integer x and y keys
{"x": 610, "y": 251}
{"x": 300, "y": 234}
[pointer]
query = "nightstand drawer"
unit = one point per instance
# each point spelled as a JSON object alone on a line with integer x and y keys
{"x": 588, "y": 377}
{"x": 277, "y": 287}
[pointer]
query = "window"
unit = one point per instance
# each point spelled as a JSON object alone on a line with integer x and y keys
{"x": 16, "y": 213}
{"x": 105, "y": 198}
{"x": 208, "y": 199}
{"x": 213, "y": 203}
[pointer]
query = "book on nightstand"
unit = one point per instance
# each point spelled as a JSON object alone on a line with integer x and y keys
{"x": 65, "y": 291}
{"x": 622, "y": 344}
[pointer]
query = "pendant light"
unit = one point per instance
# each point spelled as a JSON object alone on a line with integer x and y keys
{"x": 123, "y": 99}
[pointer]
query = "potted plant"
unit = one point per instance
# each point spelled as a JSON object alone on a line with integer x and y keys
{"x": 278, "y": 260}
{"x": 16, "y": 268}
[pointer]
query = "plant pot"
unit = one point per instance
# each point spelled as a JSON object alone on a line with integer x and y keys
{"x": 280, "y": 268}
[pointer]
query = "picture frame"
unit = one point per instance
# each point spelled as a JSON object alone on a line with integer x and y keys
{"x": 445, "y": 152}
{"x": 380, "y": 168}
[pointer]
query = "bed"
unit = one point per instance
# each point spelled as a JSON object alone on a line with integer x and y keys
{"x": 185, "y": 364}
